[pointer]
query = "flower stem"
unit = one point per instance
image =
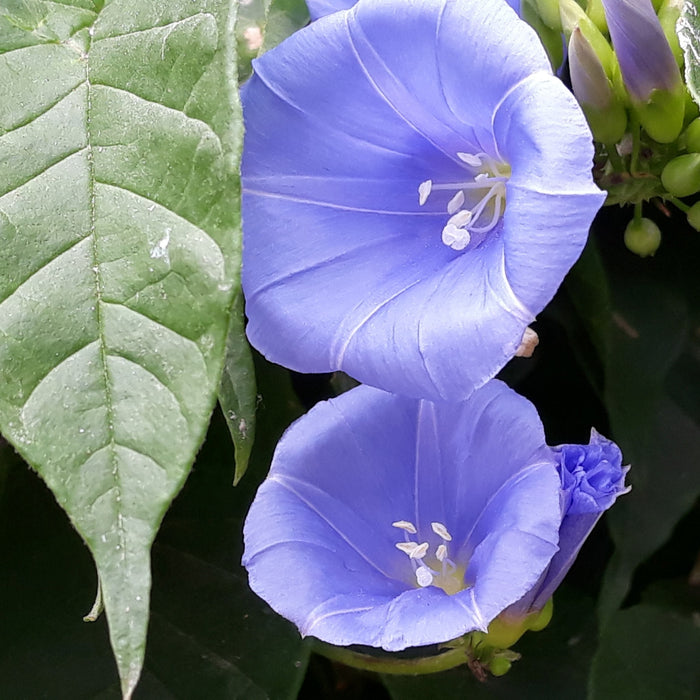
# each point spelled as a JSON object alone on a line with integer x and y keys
{"x": 394, "y": 665}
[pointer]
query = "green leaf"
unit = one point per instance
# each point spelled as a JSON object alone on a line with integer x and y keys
{"x": 282, "y": 19}
{"x": 119, "y": 138}
{"x": 639, "y": 642}
{"x": 652, "y": 346}
{"x": 688, "y": 29}
{"x": 237, "y": 393}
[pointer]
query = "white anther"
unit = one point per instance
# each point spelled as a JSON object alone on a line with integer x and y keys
{"x": 461, "y": 218}
{"x": 405, "y": 525}
{"x": 470, "y": 159}
{"x": 455, "y": 238}
{"x": 481, "y": 177}
{"x": 407, "y": 547}
{"x": 424, "y": 576}
{"x": 441, "y": 531}
{"x": 441, "y": 552}
{"x": 455, "y": 204}
{"x": 529, "y": 342}
{"x": 424, "y": 190}
{"x": 420, "y": 551}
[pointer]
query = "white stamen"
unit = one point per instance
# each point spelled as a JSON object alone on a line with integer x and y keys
{"x": 441, "y": 531}
{"x": 407, "y": 547}
{"x": 424, "y": 190}
{"x": 481, "y": 177}
{"x": 424, "y": 576}
{"x": 455, "y": 238}
{"x": 455, "y": 204}
{"x": 470, "y": 159}
{"x": 441, "y": 552}
{"x": 461, "y": 218}
{"x": 420, "y": 551}
{"x": 405, "y": 525}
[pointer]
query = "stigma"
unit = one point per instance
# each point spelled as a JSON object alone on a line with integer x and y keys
{"x": 431, "y": 569}
{"x": 466, "y": 223}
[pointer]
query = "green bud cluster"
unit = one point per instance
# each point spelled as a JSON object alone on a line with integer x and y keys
{"x": 647, "y": 141}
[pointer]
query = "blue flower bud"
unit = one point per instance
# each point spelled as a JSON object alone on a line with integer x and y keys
{"x": 648, "y": 67}
{"x": 604, "y": 110}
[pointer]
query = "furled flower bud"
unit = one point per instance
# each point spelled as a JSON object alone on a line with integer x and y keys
{"x": 604, "y": 110}
{"x": 648, "y": 67}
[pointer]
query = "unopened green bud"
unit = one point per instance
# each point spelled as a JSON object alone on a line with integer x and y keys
{"x": 548, "y": 10}
{"x": 692, "y": 136}
{"x": 681, "y": 176}
{"x": 643, "y": 237}
{"x": 595, "y": 10}
{"x": 550, "y": 38}
{"x": 605, "y": 112}
{"x": 499, "y": 666}
{"x": 694, "y": 216}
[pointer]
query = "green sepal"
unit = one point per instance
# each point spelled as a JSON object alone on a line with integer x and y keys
{"x": 662, "y": 114}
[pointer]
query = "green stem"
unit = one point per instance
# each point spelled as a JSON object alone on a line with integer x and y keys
{"x": 638, "y": 212}
{"x": 677, "y": 203}
{"x": 420, "y": 666}
{"x": 636, "y": 144}
{"x": 615, "y": 158}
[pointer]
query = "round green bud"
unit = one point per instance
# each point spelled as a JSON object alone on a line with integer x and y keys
{"x": 681, "y": 176}
{"x": 694, "y": 216}
{"x": 499, "y": 666}
{"x": 642, "y": 237}
{"x": 692, "y": 136}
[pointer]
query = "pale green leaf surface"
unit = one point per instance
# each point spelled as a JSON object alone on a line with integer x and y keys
{"x": 119, "y": 144}
{"x": 688, "y": 29}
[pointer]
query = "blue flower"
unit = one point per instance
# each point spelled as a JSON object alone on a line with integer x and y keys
{"x": 395, "y": 522}
{"x": 416, "y": 184}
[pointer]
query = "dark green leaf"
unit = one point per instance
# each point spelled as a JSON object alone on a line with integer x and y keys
{"x": 647, "y": 653}
{"x": 119, "y": 139}
{"x": 237, "y": 393}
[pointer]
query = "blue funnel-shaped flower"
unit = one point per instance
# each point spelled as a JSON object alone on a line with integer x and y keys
{"x": 319, "y": 8}
{"x": 395, "y": 522}
{"x": 416, "y": 184}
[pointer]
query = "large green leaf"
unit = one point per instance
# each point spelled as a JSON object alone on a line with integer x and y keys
{"x": 119, "y": 145}
{"x": 689, "y": 35}
{"x": 645, "y": 654}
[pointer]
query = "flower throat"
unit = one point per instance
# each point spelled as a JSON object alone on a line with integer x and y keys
{"x": 442, "y": 572}
{"x": 465, "y": 223}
